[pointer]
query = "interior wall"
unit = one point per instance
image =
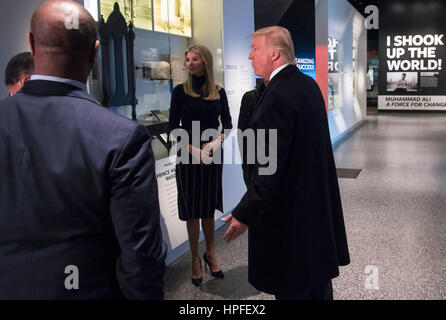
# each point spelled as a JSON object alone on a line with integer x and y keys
{"x": 238, "y": 18}
{"x": 343, "y": 21}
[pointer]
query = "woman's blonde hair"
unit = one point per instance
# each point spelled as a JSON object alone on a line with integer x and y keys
{"x": 280, "y": 38}
{"x": 210, "y": 89}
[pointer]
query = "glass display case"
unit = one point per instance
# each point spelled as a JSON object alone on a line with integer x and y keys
{"x": 164, "y": 29}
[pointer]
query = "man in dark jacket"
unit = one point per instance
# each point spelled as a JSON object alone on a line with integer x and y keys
{"x": 79, "y": 211}
{"x": 297, "y": 237}
{"x": 18, "y": 71}
{"x": 247, "y": 108}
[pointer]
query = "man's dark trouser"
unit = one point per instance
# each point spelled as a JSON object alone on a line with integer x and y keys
{"x": 322, "y": 292}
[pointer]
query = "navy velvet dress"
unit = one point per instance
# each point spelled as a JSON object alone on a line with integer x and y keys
{"x": 199, "y": 185}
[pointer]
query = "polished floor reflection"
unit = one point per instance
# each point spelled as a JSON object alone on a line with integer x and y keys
{"x": 395, "y": 212}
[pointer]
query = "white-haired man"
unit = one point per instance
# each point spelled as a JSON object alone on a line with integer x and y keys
{"x": 297, "y": 237}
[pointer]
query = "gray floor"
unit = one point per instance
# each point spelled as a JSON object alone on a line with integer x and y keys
{"x": 395, "y": 214}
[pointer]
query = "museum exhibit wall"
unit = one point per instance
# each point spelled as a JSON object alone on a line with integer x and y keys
{"x": 238, "y": 21}
{"x": 347, "y": 106}
{"x": 412, "y": 53}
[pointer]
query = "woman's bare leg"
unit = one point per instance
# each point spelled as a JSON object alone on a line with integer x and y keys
{"x": 208, "y": 226}
{"x": 193, "y": 230}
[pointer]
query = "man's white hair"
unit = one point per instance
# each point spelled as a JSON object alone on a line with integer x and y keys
{"x": 280, "y": 38}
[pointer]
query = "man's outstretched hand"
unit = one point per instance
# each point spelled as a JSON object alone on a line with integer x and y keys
{"x": 236, "y": 228}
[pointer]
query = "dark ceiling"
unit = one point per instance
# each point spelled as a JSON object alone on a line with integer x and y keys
{"x": 267, "y": 11}
{"x": 360, "y": 5}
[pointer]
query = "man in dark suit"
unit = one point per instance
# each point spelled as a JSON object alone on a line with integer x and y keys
{"x": 297, "y": 237}
{"x": 18, "y": 71}
{"x": 79, "y": 211}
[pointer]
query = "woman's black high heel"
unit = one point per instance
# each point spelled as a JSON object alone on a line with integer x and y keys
{"x": 197, "y": 282}
{"x": 218, "y": 274}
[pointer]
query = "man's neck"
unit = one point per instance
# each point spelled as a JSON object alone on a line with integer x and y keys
{"x": 61, "y": 66}
{"x": 277, "y": 70}
{"x": 63, "y": 75}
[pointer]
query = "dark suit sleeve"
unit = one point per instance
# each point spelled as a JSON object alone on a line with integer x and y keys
{"x": 275, "y": 114}
{"x": 246, "y": 111}
{"x": 136, "y": 218}
{"x": 226, "y": 120}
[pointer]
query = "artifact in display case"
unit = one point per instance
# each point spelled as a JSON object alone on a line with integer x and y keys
{"x": 178, "y": 70}
{"x": 173, "y": 16}
{"x": 156, "y": 70}
{"x": 139, "y": 12}
{"x": 157, "y": 122}
{"x": 118, "y": 71}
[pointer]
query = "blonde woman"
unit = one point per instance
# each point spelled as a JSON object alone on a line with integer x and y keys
{"x": 200, "y": 185}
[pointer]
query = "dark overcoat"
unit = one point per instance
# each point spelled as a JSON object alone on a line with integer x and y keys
{"x": 297, "y": 237}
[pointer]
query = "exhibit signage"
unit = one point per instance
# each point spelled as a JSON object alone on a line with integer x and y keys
{"x": 299, "y": 18}
{"x": 412, "y": 51}
{"x": 174, "y": 230}
{"x": 335, "y": 74}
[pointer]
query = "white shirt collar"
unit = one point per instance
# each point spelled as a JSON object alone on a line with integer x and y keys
{"x": 75, "y": 83}
{"x": 278, "y": 70}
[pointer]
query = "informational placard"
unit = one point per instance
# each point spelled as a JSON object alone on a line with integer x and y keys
{"x": 238, "y": 80}
{"x": 412, "y": 53}
{"x": 174, "y": 230}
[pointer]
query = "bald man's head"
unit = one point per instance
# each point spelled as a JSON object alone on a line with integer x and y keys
{"x": 64, "y": 26}
{"x": 63, "y": 40}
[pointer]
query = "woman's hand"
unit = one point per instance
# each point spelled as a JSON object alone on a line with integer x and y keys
{"x": 200, "y": 156}
{"x": 210, "y": 147}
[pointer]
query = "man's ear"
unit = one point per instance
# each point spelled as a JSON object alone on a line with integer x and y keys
{"x": 22, "y": 80}
{"x": 31, "y": 43}
{"x": 276, "y": 54}
{"x": 25, "y": 78}
{"x": 94, "y": 52}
